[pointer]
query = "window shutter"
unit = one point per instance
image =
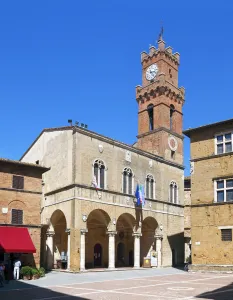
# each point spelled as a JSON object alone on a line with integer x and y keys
{"x": 152, "y": 189}
{"x": 102, "y": 171}
{"x": 18, "y": 182}
{"x": 17, "y": 216}
{"x": 171, "y": 193}
{"x": 130, "y": 184}
{"x": 147, "y": 188}
{"x": 175, "y": 194}
{"x": 96, "y": 173}
{"x": 124, "y": 183}
{"x": 226, "y": 234}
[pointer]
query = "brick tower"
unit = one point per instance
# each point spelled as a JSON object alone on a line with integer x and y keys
{"x": 160, "y": 103}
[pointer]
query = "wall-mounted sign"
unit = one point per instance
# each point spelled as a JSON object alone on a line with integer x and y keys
{"x": 4, "y": 210}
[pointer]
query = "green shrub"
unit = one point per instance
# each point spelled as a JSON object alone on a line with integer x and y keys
{"x": 35, "y": 271}
{"x": 26, "y": 271}
{"x": 42, "y": 272}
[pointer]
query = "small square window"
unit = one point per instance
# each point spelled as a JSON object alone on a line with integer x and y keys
{"x": 229, "y": 195}
{"x": 220, "y": 149}
{"x": 228, "y": 136}
{"x": 226, "y": 234}
{"x": 229, "y": 183}
{"x": 220, "y": 196}
{"x": 220, "y": 138}
{"x": 220, "y": 184}
{"x": 18, "y": 182}
{"x": 228, "y": 147}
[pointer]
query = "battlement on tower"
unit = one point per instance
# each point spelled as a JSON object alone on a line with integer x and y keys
{"x": 161, "y": 51}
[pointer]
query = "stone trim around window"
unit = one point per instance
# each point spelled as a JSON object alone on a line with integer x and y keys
{"x": 223, "y": 142}
{"x": 223, "y": 190}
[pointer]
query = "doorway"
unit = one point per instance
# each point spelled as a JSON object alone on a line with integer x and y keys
{"x": 131, "y": 261}
{"x": 120, "y": 254}
{"x": 97, "y": 255}
{"x": 173, "y": 257}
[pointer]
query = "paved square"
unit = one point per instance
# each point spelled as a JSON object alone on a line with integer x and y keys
{"x": 141, "y": 285}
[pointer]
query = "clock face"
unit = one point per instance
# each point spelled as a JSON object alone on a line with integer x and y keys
{"x": 172, "y": 142}
{"x": 151, "y": 72}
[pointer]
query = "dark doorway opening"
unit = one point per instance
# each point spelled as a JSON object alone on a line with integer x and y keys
{"x": 97, "y": 255}
{"x": 121, "y": 254}
{"x": 131, "y": 261}
{"x": 173, "y": 257}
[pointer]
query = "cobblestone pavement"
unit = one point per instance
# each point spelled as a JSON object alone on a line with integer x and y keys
{"x": 135, "y": 284}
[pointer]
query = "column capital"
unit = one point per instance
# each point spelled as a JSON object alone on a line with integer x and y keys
{"x": 83, "y": 231}
{"x": 111, "y": 233}
{"x": 68, "y": 231}
{"x": 50, "y": 233}
{"x": 137, "y": 235}
{"x": 158, "y": 237}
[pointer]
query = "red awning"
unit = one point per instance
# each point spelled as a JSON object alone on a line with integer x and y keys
{"x": 16, "y": 240}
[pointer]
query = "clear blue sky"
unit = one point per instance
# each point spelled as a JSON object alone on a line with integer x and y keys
{"x": 81, "y": 60}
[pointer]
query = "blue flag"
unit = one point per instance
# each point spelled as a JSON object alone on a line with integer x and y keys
{"x": 140, "y": 195}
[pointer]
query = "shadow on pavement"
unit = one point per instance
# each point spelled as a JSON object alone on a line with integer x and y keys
{"x": 223, "y": 293}
{"x": 21, "y": 290}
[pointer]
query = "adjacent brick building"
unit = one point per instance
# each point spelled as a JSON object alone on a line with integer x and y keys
{"x": 212, "y": 195}
{"x": 187, "y": 218}
{"x": 20, "y": 203}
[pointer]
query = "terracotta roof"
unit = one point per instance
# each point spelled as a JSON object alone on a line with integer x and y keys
{"x": 17, "y": 162}
{"x": 189, "y": 131}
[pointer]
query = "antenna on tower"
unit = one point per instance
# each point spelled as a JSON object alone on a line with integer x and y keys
{"x": 161, "y": 33}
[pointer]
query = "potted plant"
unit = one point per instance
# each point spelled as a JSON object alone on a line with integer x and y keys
{"x": 26, "y": 272}
{"x": 35, "y": 273}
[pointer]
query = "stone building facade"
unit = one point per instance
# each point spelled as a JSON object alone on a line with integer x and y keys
{"x": 20, "y": 200}
{"x": 212, "y": 196}
{"x": 187, "y": 218}
{"x": 88, "y": 207}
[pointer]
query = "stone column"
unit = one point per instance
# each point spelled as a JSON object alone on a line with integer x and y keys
{"x": 68, "y": 248}
{"x": 158, "y": 239}
{"x": 49, "y": 250}
{"x": 137, "y": 249}
{"x": 111, "y": 249}
{"x": 82, "y": 249}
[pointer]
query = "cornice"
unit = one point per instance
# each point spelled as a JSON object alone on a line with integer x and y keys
{"x": 21, "y": 225}
{"x": 212, "y": 204}
{"x": 158, "y": 88}
{"x": 70, "y": 186}
{"x": 211, "y": 156}
{"x": 20, "y": 191}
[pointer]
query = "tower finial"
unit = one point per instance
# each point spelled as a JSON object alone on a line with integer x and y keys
{"x": 161, "y": 34}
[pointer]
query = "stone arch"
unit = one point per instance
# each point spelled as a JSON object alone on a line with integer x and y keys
{"x": 149, "y": 226}
{"x": 57, "y": 227}
{"x": 125, "y": 227}
{"x": 97, "y": 225}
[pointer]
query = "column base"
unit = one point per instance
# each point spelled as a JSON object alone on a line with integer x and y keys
{"x": 111, "y": 268}
{"x": 82, "y": 270}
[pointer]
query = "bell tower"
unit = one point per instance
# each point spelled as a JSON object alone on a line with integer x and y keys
{"x": 160, "y": 103}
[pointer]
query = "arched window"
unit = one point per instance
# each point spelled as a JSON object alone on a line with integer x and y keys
{"x": 127, "y": 181}
{"x": 150, "y": 185}
{"x": 99, "y": 172}
{"x": 150, "y": 110}
{"x": 172, "y": 110}
{"x": 173, "y": 192}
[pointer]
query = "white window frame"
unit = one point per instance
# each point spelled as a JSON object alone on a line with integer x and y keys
{"x": 222, "y": 189}
{"x": 172, "y": 199}
{"x": 223, "y": 142}
{"x": 151, "y": 177}
{"x": 127, "y": 181}
{"x": 105, "y": 172}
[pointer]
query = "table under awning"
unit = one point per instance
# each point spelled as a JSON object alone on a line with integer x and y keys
{"x": 16, "y": 240}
